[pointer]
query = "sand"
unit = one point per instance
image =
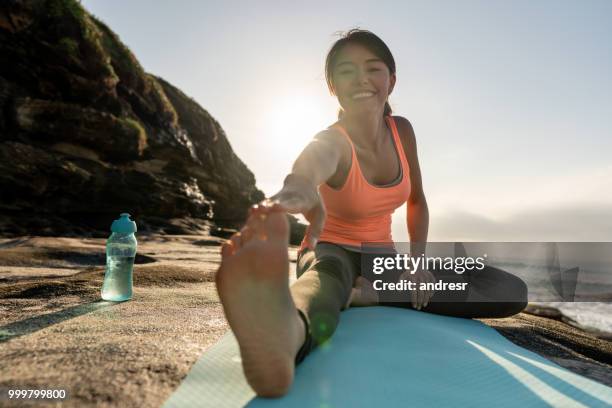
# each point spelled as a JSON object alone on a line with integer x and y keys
{"x": 56, "y": 332}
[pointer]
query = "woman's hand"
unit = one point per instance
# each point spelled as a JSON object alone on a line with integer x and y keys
{"x": 299, "y": 196}
{"x": 419, "y": 298}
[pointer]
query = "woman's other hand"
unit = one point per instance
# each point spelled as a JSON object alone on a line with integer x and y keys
{"x": 419, "y": 298}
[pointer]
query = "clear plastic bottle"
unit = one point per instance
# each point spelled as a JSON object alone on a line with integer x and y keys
{"x": 120, "y": 254}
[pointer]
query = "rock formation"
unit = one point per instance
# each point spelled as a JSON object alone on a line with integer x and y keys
{"x": 86, "y": 133}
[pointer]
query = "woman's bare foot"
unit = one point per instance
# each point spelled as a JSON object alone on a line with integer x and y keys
{"x": 253, "y": 284}
{"x": 363, "y": 294}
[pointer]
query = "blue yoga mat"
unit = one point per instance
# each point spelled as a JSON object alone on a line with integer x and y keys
{"x": 391, "y": 357}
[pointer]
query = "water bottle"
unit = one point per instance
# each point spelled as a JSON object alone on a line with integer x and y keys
{"x": 120, "y": 254}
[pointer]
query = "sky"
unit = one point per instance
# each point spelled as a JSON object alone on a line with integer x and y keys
{"x": 511, "y": 101}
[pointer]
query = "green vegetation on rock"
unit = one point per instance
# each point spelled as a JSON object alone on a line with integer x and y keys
{"x": 68, "y": 16}
{"x": 60, "y": 8}
{"x": 135, "y": 129}
{"x": 133, "y": 75}
{"x": 69, "y": 46}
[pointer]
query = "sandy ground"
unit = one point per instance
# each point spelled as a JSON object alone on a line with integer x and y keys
{"x": 56, "y": 332}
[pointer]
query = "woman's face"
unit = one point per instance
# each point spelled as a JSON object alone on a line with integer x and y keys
{"x": 361, "y": 81}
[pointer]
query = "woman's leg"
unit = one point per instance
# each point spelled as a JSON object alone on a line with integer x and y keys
{"x": 253, "y": 286}
{"x": 325, "y": 280}
{"x": 491, "y": 293}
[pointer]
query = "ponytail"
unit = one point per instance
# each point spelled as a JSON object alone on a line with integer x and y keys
{"x": 388, "y": 111}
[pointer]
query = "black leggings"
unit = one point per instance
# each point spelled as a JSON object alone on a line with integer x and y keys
{"x": 326, "y": 276}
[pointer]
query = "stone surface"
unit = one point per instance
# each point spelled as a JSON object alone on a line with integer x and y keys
{"x": 55, "y": 332}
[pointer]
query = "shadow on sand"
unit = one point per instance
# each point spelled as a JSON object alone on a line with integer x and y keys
{"x": 33, "y": 324}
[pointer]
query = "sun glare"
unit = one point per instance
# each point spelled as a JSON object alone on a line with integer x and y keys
{"x": 293, "y": 120}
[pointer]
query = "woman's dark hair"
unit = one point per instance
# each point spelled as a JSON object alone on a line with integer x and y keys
{"x": 366, "y": 39}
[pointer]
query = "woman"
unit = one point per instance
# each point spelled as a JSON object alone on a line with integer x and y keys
{"x": 346, "y": 182}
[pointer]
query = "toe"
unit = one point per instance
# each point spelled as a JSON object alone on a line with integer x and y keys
{"x": 236, "y": 240}
{"x": 254, "y": 210}
{"x": 254, "y": 222}
{"x": 226, "y": 250}
{"x": 277, "y": 226}
{"x": 247, "y": 234}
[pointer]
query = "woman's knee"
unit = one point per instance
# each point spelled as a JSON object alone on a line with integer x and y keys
{"x": 503, "y": 286}
{"x": 332, "y": 268}
{"x": 506, "y": 294}
{"x": 519, "y": 290}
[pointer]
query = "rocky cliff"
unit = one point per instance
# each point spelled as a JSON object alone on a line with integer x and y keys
{"x": 86, "y": 133}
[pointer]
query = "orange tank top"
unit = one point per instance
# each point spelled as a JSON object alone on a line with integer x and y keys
{"x": 360, "y": 212}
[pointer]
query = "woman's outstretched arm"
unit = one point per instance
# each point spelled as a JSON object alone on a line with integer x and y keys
{"x": 314, "y": 166}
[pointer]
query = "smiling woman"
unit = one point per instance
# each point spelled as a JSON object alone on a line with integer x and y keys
{"x": 276, "y": 324}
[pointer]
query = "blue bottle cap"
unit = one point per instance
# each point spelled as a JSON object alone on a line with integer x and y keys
{"x": 124, "y": 224}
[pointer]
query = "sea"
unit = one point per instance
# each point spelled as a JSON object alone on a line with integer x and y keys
{"x": 591, "y": 316}
{"x": 583, "y": 295}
